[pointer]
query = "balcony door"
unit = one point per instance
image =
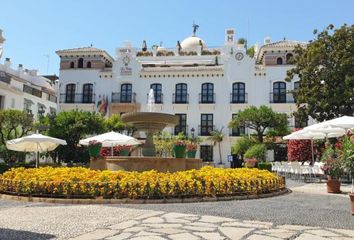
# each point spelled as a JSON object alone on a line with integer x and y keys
{"x": 87, "y": 93}
{"x": 126, "y": 93}
{"x": 279, "y": 92}
{"x": 70, "y": 93}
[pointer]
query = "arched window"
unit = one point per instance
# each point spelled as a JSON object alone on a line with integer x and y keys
{"x": 157, "y": 87}
{"x": 126, "y": 93}
{"x": 80, "y": 63}
{"x": 279, "y": 61}
{"x": 207, "y": 95}
{"x": 279, "y": 92}
{"x": 87, "y": 93}
{"x": 88, "y": 65}
{"x": 238, "y": 93}
{"x": 70, "y": 93}
{"x": 289, "y": 58}
{"x": 72, "y": 65}
{"x": 181, "y": 93}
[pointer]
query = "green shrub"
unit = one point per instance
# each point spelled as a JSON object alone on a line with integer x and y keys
{"x": 242, "y": 145}
{"x": 256, "y": 151}
{"x": 264, "y": 166}
{"x": 4, "y": 167}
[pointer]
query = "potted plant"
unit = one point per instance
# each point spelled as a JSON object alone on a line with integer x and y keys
{"x": 254, "y": 154}
{"x": 94, "y": 148}
{"x": 347, "y": 156}
{"x": 122, "y": 150}
{"x": 179, "y": 148}
{"x": 333, "y": 168}
{"x": 191, "y": 149}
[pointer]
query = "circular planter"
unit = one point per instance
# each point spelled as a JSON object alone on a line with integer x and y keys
{"x": 333, "y": 186}
{"x": 191, "y": 153}
{"x": 124, "y": 152}
{"x": 94, "y": 150}
{"x": 180, "y": 151}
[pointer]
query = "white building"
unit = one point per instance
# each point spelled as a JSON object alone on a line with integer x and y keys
{"x": 204, "y": 86}
{"x": 23, "y": 89}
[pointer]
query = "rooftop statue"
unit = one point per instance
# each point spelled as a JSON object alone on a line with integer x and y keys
{"x": 195, "y": 28}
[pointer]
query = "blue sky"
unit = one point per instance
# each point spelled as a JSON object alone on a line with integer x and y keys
{"x": 37, "y": 28}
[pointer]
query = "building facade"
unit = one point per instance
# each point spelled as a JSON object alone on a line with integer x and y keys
{"x": 205, "y": 87}
{"x": 24, "y": 89}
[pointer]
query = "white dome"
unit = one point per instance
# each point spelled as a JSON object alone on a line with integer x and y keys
{"x": 191, "y": 44}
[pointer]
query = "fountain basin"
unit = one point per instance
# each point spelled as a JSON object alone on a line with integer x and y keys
{"x": 141, "y": 164}
{"x": 150, "y": 123}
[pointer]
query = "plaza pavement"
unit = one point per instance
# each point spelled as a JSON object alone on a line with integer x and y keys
{"x": 215, "y": 220}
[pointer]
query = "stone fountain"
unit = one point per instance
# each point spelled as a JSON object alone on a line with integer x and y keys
{"x": 150, "y": 122}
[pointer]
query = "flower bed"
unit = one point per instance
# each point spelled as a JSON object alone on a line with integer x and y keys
{"x": 85, "y": 183}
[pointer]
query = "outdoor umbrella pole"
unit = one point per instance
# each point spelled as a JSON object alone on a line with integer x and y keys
{"x": 37, "y": 157}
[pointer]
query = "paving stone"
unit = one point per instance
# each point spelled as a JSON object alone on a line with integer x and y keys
{"x": 177, "y": 220}
{"x": 121, "y": 236}
{"x": 280, "y": 233}
{"x": 168, "y": 230}
{"x": 124, "y": 225}
{"x": 154, "y": 220}
{"x": 261, "y": 237}
{"x": 144, "y": 233}
{"x": 178, "y": 215}
{"x": 162, "y": 225}
{"x": 348, "y": 232}
{"x": 149, "y": 238}
{"x": 213, "y": 219}
{"x": 183, "y": 236}
{"x": 341, "y": 238}
{"x": 235, "y": 233}
{"x": 323, "y": 233}
{"x": 210, "y": 235}
{"x": 307, "y": 236}
{"x": 295, "y": 227}
{"x": 135, "y": 229}
{"x": 192, "y": 218}
{"x": 259, "y": 223}
{"x": 244, "y": 225}
{"x": 97, "y": 234}
{"x": 202, "y": 224}
{"x": 149, "y": 214}
{"x": 200, "y": 229}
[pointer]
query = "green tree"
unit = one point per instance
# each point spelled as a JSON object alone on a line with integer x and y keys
{"x": 242, "y": 145}
{"x": 73, "y": 126}
{"x": 13, "y": 124}
{"x": 216, "y": 137}
{"x": 325, "y": 68}
{"x": 260, "y": 119}
{"x": 115, "y": 123}
{"x": 250, "y": 51}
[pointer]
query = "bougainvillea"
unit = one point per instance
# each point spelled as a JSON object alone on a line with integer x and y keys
{"x": 299, "y": 150}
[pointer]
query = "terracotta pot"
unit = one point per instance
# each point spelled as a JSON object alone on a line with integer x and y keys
{"x": 333, "y": 186}
{"x": 351, "y": 195}
{"x": 250, "y": 162}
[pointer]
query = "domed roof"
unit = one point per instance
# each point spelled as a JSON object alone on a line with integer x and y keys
{"x": 190, "y": 44}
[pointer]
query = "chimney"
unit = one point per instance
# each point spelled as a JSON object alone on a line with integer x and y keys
{"x": 267, "y": 40}
{"x": 20, "y": 68}
{"x": 33, "y": 72}
{"x": 229, "y": 36}
{"x": 7, "y": 62}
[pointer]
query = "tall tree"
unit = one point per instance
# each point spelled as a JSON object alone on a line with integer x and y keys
{"x": 13, "y": 124}
{"x": 326, "y": 71}
{"x": 216, "y": 137}
{"x": 261, "y": 119}
{"x": 115, "y": 123}
{"x": 73, "y": 126}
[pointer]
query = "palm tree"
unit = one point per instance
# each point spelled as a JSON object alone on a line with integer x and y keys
{"x": 216, "y": 136}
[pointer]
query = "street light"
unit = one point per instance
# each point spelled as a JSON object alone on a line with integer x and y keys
{"x": 192, "y": 131}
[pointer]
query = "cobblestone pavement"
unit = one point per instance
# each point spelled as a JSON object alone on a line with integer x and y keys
{"x": 158, "y": 225}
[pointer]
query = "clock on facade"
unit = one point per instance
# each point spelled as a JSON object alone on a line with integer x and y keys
{"x": 239, "y": 56}
{"x": 126, "y": 60}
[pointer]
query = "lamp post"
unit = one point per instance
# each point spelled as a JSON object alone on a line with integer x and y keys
{"x": 192, "y": 132}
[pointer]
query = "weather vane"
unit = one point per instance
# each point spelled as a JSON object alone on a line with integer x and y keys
{"x": 195, "y": 28}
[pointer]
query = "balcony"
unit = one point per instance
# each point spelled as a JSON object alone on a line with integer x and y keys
{"x": 238, "y": 98}
{"x": 180, "y": 98}
{"x": 281, "y": 98}
{"x": 206, "y": 98}
{"x": 77, "y": 98}
{"x": 118, "y": 97}
{"x": 158, "y": 98}
{"x": 204, "y": 130}
{"x": 32, "y": 91}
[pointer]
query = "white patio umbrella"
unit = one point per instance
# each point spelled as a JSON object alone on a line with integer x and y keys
{"x": 37, "y": 143}
{"x": 345, "y": 122}
{"x": 111, "y": 139}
